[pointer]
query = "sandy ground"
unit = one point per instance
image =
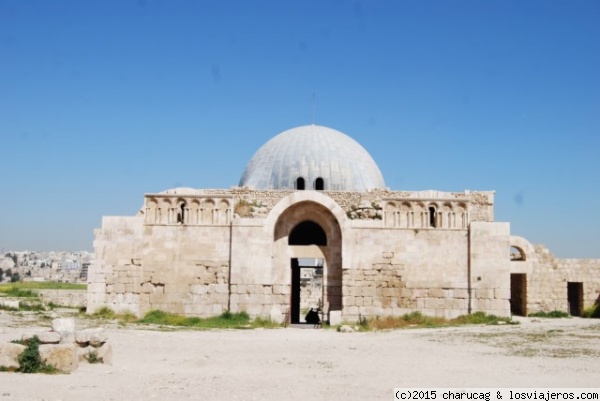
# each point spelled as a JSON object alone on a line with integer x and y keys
{"x": 316, "y": 364}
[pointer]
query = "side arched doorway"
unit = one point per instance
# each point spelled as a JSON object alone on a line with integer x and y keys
{"x": 307, "y": 250}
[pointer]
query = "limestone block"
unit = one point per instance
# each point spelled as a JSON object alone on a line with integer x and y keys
{"x": 64, "y": 324}
{"x": 9, "y": 355}
{"x": 243, "y": 299}
{"x": 119, "y": 288}
{"x": 132, "y": 288}
{"x": 147, "y": 288}
{"x": 436, "y": 293}
{"x": 105, "y": 353}
{"x": 353, "y": 291}
{"x": 49, "y": 337}
{"x": 96, "y": 287}
{"x": 10, "y": 303}
{"x": 484, "y": 293}
{"x": 351, "y": 310}
{"x": 276, "y": 315}
{"x": 198, "y": 289}
{"x": 281, "y": 299}
{"x": 94, "y": 337}
{"x": 348, "y": 301}
{"x": 64, "y": 357}
{"x": 221, "y": 289}
{"x": 335, "y": 317}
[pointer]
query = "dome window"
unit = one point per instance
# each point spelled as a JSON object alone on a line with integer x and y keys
{"x": 319, "y": 184}
{"x": 300, "y": 184}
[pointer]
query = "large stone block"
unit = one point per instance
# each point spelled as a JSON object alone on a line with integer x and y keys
{"x": 94, "y": 337}
{"x": 63, "y": 324}
{"x": 64, "y": 357}
{"x": 335, "y": 317}
{"x": 9, "y": 355}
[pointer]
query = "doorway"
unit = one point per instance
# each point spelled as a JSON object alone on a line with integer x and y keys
{"x": 575, "y": 298}
{"x": 518, "y": 294}
{"x": 307, "y": 287}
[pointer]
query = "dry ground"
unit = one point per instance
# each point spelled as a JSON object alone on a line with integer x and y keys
{"x": 315, "y": 364}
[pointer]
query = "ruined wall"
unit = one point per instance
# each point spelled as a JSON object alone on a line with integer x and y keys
{"x": 70, "y": 298}
{"x": 180, "y": 269}
{"x": 398, "y": 271}
{"x": 548, "y": 277}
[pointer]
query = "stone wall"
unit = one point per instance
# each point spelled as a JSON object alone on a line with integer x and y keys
{"x": 265, "y": 300}
{"x": 548, "y": 277}
{"x": 71, "y": 298}
{"x": 178, "y": 269}
{"x": 205, "y": 259}
{"x": 489, "y": 265}
{"x": 398, "y": 271}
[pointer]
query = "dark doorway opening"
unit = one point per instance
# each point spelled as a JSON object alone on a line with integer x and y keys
{"x": 307, "y": 233}
{"x": 518, "y": 294}
{"x": 575, "y": 298}
{"x": 300, "y": 184}
{"x": 307, "y": 288}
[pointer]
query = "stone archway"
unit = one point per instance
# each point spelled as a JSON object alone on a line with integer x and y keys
{"x": 308, "y": 230}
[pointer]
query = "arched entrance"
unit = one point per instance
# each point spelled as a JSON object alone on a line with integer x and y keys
{"x": 307, "y": 273}
{"x": 307, "y": 245}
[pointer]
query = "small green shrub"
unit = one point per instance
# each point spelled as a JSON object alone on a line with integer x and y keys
{"x": 30, "y": 360}
{"x": 555, "y": 314}
{"x": 92, "y": 357}
{"x": 104, "y": 313}
{"x": 264, "y": 323}
{"x": 592, "y": 311}
{"x": 31, "y": 307}
{"x": 226, "y": 320}
{"x": 480, "y": 318}
{"x": 417, "y": 319}
{"x": 18, "y": 292}
{"x": 8, "y": 308}
{"x": 42, "y": 285}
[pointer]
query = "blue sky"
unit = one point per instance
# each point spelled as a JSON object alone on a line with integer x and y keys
{"x": 103, "y": 101}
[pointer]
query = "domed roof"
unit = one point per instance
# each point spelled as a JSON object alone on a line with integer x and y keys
{"x": 311, "y": 152}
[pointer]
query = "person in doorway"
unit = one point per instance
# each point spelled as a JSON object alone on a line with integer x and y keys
{"x": 312, "y": 317}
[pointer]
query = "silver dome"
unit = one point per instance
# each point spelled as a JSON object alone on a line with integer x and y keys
{"x": 311, "y": 152}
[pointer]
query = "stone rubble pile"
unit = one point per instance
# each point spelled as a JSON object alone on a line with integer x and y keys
{"x": 63, "y": 347}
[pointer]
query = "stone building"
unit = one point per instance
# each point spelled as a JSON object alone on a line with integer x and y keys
{"x": 313, "y": 198}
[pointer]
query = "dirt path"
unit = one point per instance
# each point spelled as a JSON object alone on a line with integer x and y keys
{"x": 316, "y": 364}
